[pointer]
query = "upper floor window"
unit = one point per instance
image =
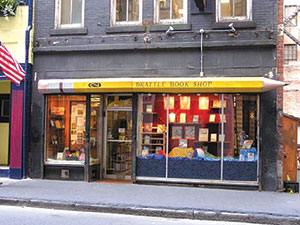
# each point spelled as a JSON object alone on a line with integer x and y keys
{"x": 290, "y": 14}
{"x": 170, "y": 11}
{"x": 69, "y": 13}
{"x": 126, "y": 12}
{"x": 231, "y": 10}
{"x": 290, "y": 53}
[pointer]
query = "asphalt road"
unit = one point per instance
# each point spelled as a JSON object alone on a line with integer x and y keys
{"x": 15, "y": 215}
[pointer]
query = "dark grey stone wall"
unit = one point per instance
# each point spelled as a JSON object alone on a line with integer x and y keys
{"x": 269, "y": 145}
{"x": 99, "y": 50}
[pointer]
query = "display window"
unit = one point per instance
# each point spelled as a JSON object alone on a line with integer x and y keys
{"x": 66, "y": 129}
{"x": 241, "y": 152}
{"x": 197, "y": 136}
{"x": 152, "y": 130}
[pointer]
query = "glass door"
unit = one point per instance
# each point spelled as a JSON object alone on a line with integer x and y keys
{"x": 118, "y": 132}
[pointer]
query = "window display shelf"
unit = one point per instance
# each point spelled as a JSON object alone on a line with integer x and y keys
{"x": 225, "y": 142}
{"x": 153, "y": 142}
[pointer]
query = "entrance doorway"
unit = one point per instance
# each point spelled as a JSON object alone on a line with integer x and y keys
{"x": 118, "y": 137}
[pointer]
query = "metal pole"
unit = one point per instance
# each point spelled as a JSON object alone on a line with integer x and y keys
{"x": 167, "y": 137}
{"x": 201, "y": 53}
{"x": 223, "y": 137}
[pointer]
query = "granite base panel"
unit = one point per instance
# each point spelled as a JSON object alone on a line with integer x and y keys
{"x": 197, "y": 169}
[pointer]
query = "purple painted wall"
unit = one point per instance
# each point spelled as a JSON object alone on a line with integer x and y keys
{"x": 16, "y": 127}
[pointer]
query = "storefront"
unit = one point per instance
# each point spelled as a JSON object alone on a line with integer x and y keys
{"x": 183, "y": 130}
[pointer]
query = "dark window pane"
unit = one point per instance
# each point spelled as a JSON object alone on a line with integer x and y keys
{"x": 5, "y": 108}
{"x": 121, "y": 10}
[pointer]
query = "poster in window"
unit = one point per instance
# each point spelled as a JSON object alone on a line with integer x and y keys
{"x": 185, "y": 102}
{"x": 203, "y": 134}
{"x": 203, "y": 103}
{"x": 149, "y": 108}
{"x": 189, "y": 132}
{"x": 172, "y": 118}
{"x": 196, "y": 119}
{"x": 182, "y": 118}
{"x": 182, "y": 143}
{"x": 171, "y": 102}
{"x": 213, "y": 137}
{"x": 176, "y": 132}
{"x": 217, "y": 103}
{"x": 212, "y": 118}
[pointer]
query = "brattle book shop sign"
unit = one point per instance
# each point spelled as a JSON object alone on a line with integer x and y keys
{"x": 174, "y": 84}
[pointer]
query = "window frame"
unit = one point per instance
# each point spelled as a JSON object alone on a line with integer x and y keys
{"x": 293, "y": 56}
{"x": 290, "y": 24}
{"x": 170, "y": 21}
{"x": 58, "y": 24}
{"x": 248, "y": 17}
{"x": 113, "y": 9}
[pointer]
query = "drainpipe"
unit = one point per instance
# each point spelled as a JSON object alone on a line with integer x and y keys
{"x": 25, "y": 93}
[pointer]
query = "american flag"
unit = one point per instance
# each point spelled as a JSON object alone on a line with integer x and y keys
{"x": 10, "y": 67}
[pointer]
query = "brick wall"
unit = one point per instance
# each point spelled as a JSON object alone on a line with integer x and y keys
{"x": 280, "y": 70}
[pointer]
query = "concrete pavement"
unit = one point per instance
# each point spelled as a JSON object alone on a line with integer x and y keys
{"x": 152, "y": 200}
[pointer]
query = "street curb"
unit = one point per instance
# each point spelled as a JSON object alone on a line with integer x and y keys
{"x": 262, "y": 218}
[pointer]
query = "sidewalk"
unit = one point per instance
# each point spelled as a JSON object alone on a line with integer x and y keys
{"x": 167, "y": 201}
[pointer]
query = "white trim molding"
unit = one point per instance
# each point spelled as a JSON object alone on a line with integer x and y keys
{"x": 157, "y": 20}
{"x": 113, "y": 12}
{"x": 57, "y": 23}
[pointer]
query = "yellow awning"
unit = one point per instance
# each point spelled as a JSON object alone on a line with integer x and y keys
{"x": 160, "y": 85}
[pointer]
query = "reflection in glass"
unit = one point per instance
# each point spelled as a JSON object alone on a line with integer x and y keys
{"x": 127, "y": 10}
{"x": 118, "y": 101}
{"x": 170, "y": 9}
{"x": 233, "y": 8}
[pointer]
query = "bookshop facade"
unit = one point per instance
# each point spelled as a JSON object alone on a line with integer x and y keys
{"x": 183, "y": 130}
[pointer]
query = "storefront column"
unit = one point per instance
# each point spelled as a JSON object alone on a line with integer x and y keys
{"x": 268, "y": 141}
{"x": 16, "y": 131}
{"x": 134, "y": 136}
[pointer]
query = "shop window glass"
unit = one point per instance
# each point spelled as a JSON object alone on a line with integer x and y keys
{"x": 198, "y": 136}
{"x": 171, "y": 10}
{"x": 65, "y": 129}
{"x": 96, "y": 125}
{"x": 194, "y": 149}
{"x": 152, "y": 130}
{"x": 126, "y": 11}
{"x": 241, "y": 152}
